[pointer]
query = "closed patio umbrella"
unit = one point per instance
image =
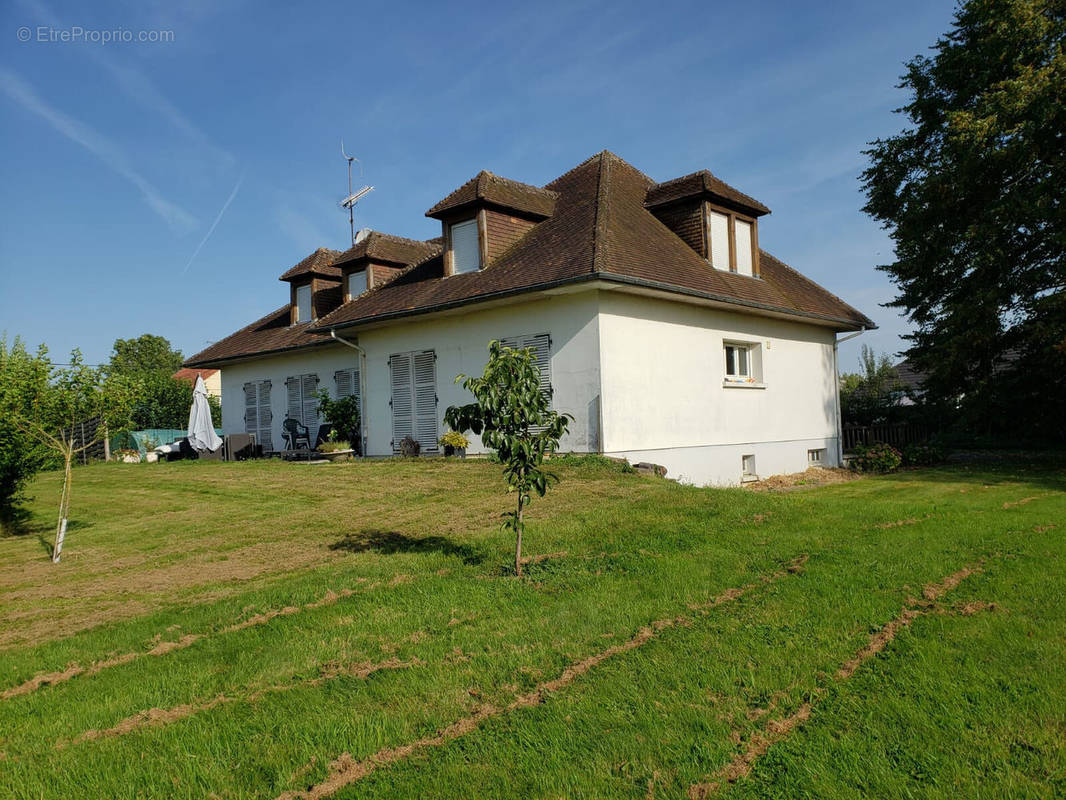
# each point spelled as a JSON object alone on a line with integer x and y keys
{"x": 202, "y": 434}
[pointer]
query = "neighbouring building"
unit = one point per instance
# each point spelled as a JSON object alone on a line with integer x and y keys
{"x": 657, "y": 320}
{"x": 212, "y": 379}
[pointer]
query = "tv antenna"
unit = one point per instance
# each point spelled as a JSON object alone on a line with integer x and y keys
{"x": 353, "y": 198}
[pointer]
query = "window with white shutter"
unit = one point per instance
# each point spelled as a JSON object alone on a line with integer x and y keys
{"x": 301, "y": 403}
{"x": 347, "y": 381}
{"x": 414, "y": 399}
{"x": 303, "y": 303}
{"x": 257, "y": 416}
{"x": 466, "y": 252}
{"x": 541, "y": 345}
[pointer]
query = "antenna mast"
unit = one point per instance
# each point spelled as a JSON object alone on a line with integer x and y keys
{"x": 350, "y": 201}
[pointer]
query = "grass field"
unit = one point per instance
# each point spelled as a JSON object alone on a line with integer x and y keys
{"x": 277, "y": 630}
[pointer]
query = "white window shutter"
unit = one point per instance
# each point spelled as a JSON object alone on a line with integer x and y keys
{"x": 540, "y": 344}
{"x": 343, "y": 379}
{"x": 425, "y": 390}
{"x": 466, "y": 254}
{"x": 294, "y": 404}
{"x": 309, "y": 385}
{"x": 718, "y": 228}
{"x": 251, "y": 408}
{"x": 402, "y": 399}
{"x": 743, "y": 232}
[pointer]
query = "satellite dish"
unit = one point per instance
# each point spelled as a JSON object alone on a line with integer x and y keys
{"x": 361, "y": 234}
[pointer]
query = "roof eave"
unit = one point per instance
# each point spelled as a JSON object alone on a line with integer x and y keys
{"x": 844, "y": 323}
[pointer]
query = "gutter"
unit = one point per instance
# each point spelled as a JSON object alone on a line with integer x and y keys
{"x": 836, "y": 389}
{"x": 364, "y": 425}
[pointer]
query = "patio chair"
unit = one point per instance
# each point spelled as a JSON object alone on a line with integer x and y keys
{"x": 294, "y": 432}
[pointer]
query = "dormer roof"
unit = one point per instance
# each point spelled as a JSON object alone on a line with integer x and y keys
{"x": 488, "y": 189}
{"x": 319, "y": 263}
{"x": 385, "y": 248}
{"x": 703, "y": 184}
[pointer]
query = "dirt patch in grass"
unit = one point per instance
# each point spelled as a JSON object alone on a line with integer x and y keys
{"x": 346, "y": 770}
{"x": 158, "y": 717}
{"x": 777, "y": 729}
{"x": 1022, "y": 502}
{"x": 1044, "y": 528}
{"x": 810, "y": 479}
{"x": 162, "y": 648}
{"x": 902, "y": 522}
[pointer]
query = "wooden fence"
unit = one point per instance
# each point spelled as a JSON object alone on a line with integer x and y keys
{"x": 896, "y": 434}
{"x": 83, "y": 432}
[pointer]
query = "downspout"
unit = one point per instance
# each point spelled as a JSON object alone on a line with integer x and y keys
{"x": 363, "y": 423}
{"x": 836, "y": 389}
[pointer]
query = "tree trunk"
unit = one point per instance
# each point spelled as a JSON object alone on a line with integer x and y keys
{"x": 518, "y": 539}
{"x": 64, "y": 506}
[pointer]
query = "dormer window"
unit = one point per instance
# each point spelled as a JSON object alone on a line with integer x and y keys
{"x": 356, "y": 284}
{"x": 732, "y": 241}
{"x": 466, "y": 250}
{"x": 303, "y": 303}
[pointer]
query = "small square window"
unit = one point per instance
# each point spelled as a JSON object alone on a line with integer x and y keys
{"x": 466, "y": 252}
{"x": 737, "y": 361}
{"x": 356, "y": 284}
{"x": 816, "y": 456}
{"x": 747, "y": 466}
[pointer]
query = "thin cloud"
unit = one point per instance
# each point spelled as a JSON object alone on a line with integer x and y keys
{"x": 97, "y": 144}
{"x": 139, "y": 87}
{"x": 214, "y": 224}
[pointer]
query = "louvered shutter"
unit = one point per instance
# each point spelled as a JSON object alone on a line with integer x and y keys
{"x": 266, "y": 418}
{"x": 402, "y": 399}
{"x": 309, "y": 385}
{"x": 251, "y": 408}
{"x": 425, "y": 388}
{"x": 343, "y": 379}
{"x": 294, "y": 403}
{"x": 540, "y": 344}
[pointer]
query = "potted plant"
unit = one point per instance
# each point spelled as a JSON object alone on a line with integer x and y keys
{"x": 127, "y": 456}
{"x": 335, "y": 448}
{"x": 454, "y": 444}
{"x": 342, "y": 415}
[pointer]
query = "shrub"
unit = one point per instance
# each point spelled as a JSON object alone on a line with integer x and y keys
{"x": 341, "y": 414}
{"x": 454, "y": 439}
{"x": 877, "y": 457}
{"x": 923, "y": 455}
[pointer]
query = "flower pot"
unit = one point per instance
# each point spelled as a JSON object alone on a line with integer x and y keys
{"x": 337, "y": 455}
{"x": 450, "y": 450}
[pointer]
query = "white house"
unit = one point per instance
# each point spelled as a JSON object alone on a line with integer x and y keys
{"x": 658, "y": 323}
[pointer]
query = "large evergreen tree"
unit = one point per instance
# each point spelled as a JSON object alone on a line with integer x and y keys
{"x": 971, "y": 193}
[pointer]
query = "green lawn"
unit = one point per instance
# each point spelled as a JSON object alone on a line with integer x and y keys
{"x": 351, "y": 630}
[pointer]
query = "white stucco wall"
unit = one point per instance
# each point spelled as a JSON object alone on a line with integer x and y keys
{"x": 662, "y": 370}
{"x": 460, "y": 342}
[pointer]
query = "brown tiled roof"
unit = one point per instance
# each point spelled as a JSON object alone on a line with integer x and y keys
{"x": 702, "y": 183}
{"x": 600, "y": 230}
{"x": 319, "y": 262}
{"x": 503, "y": 192}
{"x": 271, "y": 334}
{"x": 389, "y": 249}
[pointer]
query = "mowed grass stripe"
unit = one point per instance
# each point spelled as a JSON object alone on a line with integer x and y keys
{"x": 346, "y": 770}
{"x": 777, "y": 729}
{"x": 163, "y": 648}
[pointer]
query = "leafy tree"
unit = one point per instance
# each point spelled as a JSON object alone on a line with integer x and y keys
{"x": 145, "y": 354}
{"x": 21, "y": 456}
{"x": 873, "y": 395}
{"x": 515, "y": 419}
{"x": 342, "y": 415}
{"x": 53, "y": 400}
{"x": 971, "y": 193}
{"x": 164, "y": 402}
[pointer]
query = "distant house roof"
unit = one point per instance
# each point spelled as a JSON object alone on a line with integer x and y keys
{"x": 189, "y": 374}
{"x": 494, "y": 190}
{"x": 319, "y": 262}
{"x": 599, "y": 228}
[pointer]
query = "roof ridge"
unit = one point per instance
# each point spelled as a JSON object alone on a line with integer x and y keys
{"x": 599, "y": 224}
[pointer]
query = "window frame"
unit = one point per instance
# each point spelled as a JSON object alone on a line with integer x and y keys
{"x": 753, "y": 378}
{"x": 348, "y": 296}
{"x": 455, "y": 262}
{"x": 731, "y": 229}
{"x": 310, "y": 303}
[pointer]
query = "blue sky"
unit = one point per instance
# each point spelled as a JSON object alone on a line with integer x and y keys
{"x": 136, "y": 170}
